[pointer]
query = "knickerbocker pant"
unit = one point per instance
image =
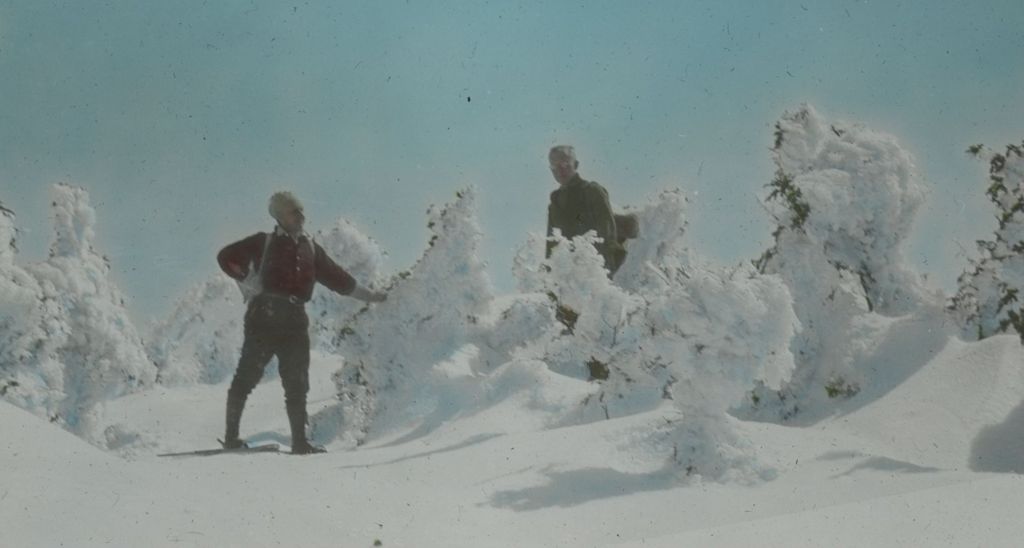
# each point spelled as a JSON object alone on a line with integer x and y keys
{"x": 274, "y": 326}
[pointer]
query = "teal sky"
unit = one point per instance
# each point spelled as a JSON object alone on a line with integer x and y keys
{"x": 181, "y": 117}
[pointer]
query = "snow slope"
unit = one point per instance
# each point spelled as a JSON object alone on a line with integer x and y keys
{"x": 916, "y": 463}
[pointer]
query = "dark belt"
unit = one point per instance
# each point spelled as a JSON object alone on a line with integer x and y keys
{"x": 291, "y": 299}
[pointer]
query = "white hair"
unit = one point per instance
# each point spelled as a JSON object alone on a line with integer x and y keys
{"x": 281, "y": 203}
{"x": 565, "y": 151}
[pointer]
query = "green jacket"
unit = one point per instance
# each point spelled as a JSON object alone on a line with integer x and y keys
{"x": 580, "y": 206}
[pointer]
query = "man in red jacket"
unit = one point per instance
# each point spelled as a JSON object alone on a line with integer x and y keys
{"x": 277, "y": 272}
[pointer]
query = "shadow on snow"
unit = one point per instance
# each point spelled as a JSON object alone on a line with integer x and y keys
{"x": 575, "y": 487}
{"x": 472, "y": 440}
{"x": 1000, "y": 447}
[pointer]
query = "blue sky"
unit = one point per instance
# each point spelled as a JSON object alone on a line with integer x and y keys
{"x": 180, "y": 118}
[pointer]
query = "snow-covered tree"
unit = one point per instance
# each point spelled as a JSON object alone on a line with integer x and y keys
{"x": 843, "y": 200}
{"x": 988, "y": 300}
{"x": 670, "y": 328}
{"x": 603, "y": 325}
{"x": 8, "y": 236}
{"x": 662, "y": 241}
{"x": 73, "y": 345}
{"x": 734, "y": 331}
{"x": 854, "y": 193}
{"x": 391, "y": 348}
{"x": 361, "y": 257}
{"x": 30, "y": 376}
{"x": 200, "y": 340}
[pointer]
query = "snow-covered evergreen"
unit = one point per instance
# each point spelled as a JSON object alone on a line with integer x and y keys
{"x": 30, "y": 375}
{"x": 989, "y": 298}
{"x": 671, "y": 328}
{"x": 391, "y": 348}
{"x": 361, "y": 257}
{"x": 72, "y": 345}
{"x": 855, "y": 194}
{"x": 8, "y": 235}
{"x": 200, "y": 340}
{"x": 843, "y": 200}
{"x": 661, "y": 249}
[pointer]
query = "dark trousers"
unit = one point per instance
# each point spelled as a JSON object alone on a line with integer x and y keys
{"x": 274, "y": 326}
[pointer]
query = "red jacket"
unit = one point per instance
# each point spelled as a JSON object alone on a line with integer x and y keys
{"x": 291, "y": 268}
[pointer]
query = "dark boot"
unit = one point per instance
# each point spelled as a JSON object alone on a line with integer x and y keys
{"x": 232, "y": 418}
{"x": 306, "y": 448}
{"x": 233, "y": 444}
{"x": 297, "y": 419}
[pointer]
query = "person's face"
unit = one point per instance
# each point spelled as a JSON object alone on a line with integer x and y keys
{"x": 292, "y": 219}
{"x": 563, "y": 168}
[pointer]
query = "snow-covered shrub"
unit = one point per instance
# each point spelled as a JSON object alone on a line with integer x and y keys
{"x": 672, "y": 328}
{"x": 200, "y": 341}
{"x": 661, "y": 241}
{"x": 854, "y": 193}
{"x": 603, "y": 328}
{"x": 518, "y": 322}
{"x": 361, "y": 257}
{"x": 988, "y": 300}
{"x": 75, "y": 338}
{"x": 843, "y": 200}
{"x": 391, "y": 348}
{"x": 8, "y": 236}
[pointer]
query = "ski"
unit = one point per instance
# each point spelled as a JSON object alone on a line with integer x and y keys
{"x": 266, "y": 448}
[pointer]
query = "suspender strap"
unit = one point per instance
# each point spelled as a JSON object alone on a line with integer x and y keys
{"x": 263, "y": 258}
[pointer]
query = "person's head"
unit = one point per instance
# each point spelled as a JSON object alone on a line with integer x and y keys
{"x": 563, "y": 163}
{"x": 288, "y": 211}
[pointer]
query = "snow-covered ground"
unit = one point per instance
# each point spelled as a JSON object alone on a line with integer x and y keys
{"x": 933, "y": 461}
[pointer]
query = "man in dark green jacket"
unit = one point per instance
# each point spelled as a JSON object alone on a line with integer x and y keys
{"x": 578, "y": 206}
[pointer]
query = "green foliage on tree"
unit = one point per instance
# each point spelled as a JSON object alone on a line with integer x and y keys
{"x": 988, "y": 296}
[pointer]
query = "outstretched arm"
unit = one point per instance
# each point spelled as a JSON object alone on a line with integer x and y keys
{"x": 340, "y": 281}
{"x": 331, "y": 275}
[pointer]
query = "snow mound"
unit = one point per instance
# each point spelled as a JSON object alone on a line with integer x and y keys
{"x": 961, "y": 409}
